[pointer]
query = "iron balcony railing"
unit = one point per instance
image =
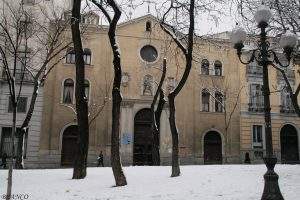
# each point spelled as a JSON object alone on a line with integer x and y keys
{"x": 255, "y": 107}
{"x": 254, "y": 70}
{"x": 289, "y": 73}
{"x": 287, "y": 109}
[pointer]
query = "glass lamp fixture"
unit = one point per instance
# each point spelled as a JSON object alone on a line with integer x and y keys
{"x": 288, "y": 40}
{"x": 238, "y": 36}
{"x": 263, "y": 15}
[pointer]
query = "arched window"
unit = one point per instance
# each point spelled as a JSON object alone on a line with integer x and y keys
{"x": 70, "y": 58}
{"x": 218, "y": 102}
{"x": 87, "y": 56}
{"x": 68, "y": 91}
{"x": 218, "y": 68}
{"x": 87, "y": 89}
{"x": 148, "y": 85}
{"x": 148, "y": 26}
{"x": 205, "y": 67}
{"x": 205, "y": 100}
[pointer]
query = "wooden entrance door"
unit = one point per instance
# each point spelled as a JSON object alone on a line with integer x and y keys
{"x": 289, "y": 145}
{"x": 142, "y": 148}
{"x": 212, "y": 148}
{"x": 69, "y": 141}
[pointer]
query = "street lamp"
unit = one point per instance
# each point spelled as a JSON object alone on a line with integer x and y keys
{"x": 264, "y": 57}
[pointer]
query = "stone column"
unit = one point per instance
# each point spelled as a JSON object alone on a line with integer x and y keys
{"x": 126, "y": 135}
{"x": 165, "y": 138}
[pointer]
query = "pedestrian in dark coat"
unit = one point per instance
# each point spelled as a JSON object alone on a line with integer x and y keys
{"x": 100, "y": 159}
{"x": 247, "y": 158}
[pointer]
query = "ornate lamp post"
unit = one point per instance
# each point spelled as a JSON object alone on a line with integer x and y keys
{"x": 265, "y": 57}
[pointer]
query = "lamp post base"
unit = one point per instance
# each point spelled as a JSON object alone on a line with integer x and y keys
{"x": 271, "y": 188}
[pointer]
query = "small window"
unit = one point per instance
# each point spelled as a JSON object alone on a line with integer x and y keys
{"x": 6, "y": 146}
{"x": 148, "y": 85}
{"x": 87, "y": 89}
{"x": 21, "y": 106}
{"x": 148, "y": 26}
{"x": 28, "y": 2}
{"x": 205, "y": 67}
{"x": 70, "y": 58}
{"x": 25, "y": 27}
{"x": 87, "y": 56}
{"x": 205, "y": 100}
{"x": 149, "y": 53}
{"x": 68, "y": 91}
{"x": 218, "y": 68}
{"x": 257, "y": 137}
{"x": 218, "y": 102}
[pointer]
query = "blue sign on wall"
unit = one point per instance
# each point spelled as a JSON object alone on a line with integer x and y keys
{"x": 127, "y": 138}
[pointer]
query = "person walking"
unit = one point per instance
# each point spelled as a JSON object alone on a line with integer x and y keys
{"x": 100, "y": 159}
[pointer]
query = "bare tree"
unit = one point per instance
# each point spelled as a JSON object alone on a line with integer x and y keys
{"x": 96, "y": 105}
{"x": 285, "y": 14}
{"x": 81, "y": 153}
{"x": 289, "y": 88}
{"x": 30, "y": 48}
{"x": 226, "y": 102}
{"x": 104, "y": 6}
{"x": 285, "y": 17}
{"x": 156, "y": 115}
{"x": 187, "y": 51}
{"x": 96, "y": 108}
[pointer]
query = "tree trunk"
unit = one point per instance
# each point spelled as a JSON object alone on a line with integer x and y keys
{"x": 80, "y": 162}
{"x": 174, "y": 132}
{"x": 24, "y": 126}
{"x": 11, "y": 160}
{"x": 156, "y": 116}
{"x": 160, "y": 107}
{"x": 18, "y": 164}
{"x": 116, "y": 99}
{"x": 115, "y": 142}
{"x": 116, "y": 94}
{"x": 188, "y": 53}
{"x": 156, "y": 129}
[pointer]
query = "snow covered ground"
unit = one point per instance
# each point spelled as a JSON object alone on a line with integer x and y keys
{"x": 214, "y": 182}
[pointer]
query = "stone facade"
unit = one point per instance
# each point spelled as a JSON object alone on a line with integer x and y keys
{"x": 197, "y": 118}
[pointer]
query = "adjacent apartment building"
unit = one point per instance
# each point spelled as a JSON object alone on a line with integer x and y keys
{"x": 17, "y": 19}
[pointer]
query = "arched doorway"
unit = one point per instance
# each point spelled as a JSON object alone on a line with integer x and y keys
{"x": 69, "y": 140}
{"x": 142, "y": 148}
{"x": 212, "y": 148}
{"x": 289, "y": 144}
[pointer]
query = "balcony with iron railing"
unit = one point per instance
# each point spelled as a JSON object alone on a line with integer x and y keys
{"x": 253, "y": 70}
{"x": 255, "y": 107}
{"x": 289, "y": 73}
{"x": 287, "y": 109}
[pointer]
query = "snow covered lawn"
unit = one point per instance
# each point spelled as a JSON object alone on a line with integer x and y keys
{"x": 214, "y": 182}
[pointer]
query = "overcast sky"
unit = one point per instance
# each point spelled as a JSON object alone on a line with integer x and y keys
{"x": 205, "y": 23}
